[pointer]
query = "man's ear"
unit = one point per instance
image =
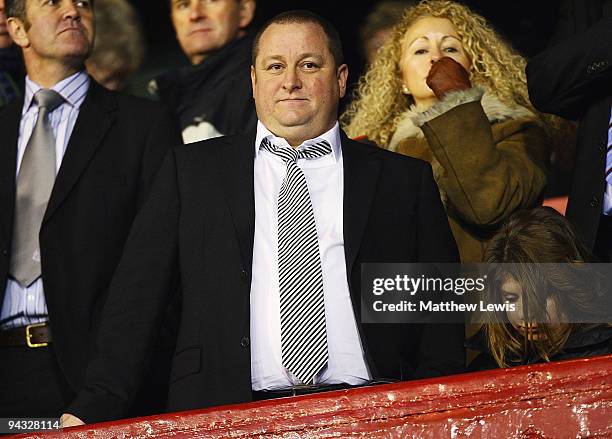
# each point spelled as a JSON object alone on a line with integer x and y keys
{"x": 342, "y": 78}
{"x": 17, "y": 30}
{"x": 247, "y": 12}
{"x": 253, "y": 80}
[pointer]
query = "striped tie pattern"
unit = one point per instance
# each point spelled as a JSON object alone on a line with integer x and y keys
{"x": 609, "y": 156}
{"x": 302, "y": 306}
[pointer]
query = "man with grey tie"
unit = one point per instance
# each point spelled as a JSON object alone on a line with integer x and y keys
{"x": 76, "y": 163}
{"x": 267, "y": 232}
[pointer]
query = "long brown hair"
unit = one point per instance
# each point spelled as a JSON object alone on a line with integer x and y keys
{"x": 544, "y": 236}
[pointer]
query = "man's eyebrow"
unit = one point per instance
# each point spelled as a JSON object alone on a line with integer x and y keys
{"x": 317, "y": 56}
{"x": 273, "y": 58}
{"x": 310, "y": 55}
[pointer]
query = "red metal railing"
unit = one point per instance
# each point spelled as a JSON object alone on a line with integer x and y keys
{"x": 557, "y": 400}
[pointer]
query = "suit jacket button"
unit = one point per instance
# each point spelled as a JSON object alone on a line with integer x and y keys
{"x": 4, "y": 252}
{"x": 244, "y": 275}
{"x": 594, "y": 201}
{"x": 245, "y": 342}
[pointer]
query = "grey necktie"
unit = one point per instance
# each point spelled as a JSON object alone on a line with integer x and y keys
{"x": 302, "y": 302}
{"x": 34, "y": 185}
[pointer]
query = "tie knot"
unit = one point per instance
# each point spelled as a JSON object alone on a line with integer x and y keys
{"x": 48, "y": 99}
{"x": 288, "y": 154}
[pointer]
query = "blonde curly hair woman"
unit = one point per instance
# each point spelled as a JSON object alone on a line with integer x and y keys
{"x": 447, "y": 89}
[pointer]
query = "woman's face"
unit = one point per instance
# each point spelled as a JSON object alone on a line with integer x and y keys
{"x": 512, "y": 292}
{"x": 426, "y": 41}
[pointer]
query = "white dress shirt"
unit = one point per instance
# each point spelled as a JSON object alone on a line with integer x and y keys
{"x": 325, "y": 179}
{"x": 29, "y": 303}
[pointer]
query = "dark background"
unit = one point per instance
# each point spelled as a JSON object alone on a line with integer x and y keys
{"x": 526, "y": 24}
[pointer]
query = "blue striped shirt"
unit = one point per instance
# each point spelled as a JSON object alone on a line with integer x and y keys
{"x": 24, "y": 306}
{"x": 607, "y": 205}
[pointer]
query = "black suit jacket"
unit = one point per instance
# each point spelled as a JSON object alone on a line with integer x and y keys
{"x": 114, "y": 152}
{"x": 199, "y": 220}
{"x": 573, "y": 79}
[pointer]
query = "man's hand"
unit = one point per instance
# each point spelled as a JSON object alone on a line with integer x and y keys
{"x": 446, "y": 75}
{"x": 68, "y": 420}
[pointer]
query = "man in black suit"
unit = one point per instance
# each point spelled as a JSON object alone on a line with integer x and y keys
{"x": 573, "y": 79}
{"x": 76, "y": 163}
{"x": 218, "y": 214}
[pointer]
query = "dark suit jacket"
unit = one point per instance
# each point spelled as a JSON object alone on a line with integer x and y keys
{"x": 199, "y": 220}
{"x": 573, "y": 79}
{"x": 114, "y": 152}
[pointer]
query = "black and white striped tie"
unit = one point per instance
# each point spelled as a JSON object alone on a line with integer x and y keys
{"x": 302, "y": 306}
{"x": 609, "y": 156}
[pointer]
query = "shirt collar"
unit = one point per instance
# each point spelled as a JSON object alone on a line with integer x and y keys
{"x": 73, "y": 89}
{"x": 332, "y": 137}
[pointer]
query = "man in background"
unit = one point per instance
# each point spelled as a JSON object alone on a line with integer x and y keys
{"x": 212, "y": 97}
{"x": 76, "y": 164}
{"x": 119, "y": 46}
{"x": 378, "y": 25}
{"x": 11, "y": 64}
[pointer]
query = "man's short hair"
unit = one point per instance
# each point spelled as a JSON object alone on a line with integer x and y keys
{"x": 303, "y": 17}
{"x": 15, "y": 8}
{"x": 169, "y": 4}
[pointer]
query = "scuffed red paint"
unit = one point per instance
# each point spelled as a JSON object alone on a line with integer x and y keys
{"x": 571, "y": 399}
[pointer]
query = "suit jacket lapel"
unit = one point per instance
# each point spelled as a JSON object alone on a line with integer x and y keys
{"x": 361, "y": 172}
{"x": 237, "y": 158}
{"x": 9, "y": 127}
{"x": 94, "y": 120}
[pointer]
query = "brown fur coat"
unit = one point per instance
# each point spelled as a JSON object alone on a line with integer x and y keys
{"x": 489, "y": 160}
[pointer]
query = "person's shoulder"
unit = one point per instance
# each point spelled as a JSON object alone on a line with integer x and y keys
{"x": 369, "y": 148}
{"x": 244, "y": 141}
{"x": 123, "y": 102}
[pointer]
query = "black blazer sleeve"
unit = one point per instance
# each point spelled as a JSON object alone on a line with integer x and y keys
{"x": 566, "y": 78}
{"x": 441, "y": 348}
{"x": 165, "y": 132}
{"x": 137, "y": 299}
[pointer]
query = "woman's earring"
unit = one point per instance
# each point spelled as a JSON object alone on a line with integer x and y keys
{"x": 405, "y": 89}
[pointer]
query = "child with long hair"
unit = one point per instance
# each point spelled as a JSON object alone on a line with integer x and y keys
{"x": 562, "y": 305}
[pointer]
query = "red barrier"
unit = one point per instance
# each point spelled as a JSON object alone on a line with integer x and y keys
{"x": 571, "y": 399}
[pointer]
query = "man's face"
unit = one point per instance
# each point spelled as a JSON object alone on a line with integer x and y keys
{"x": 296, "y": 84}
{"x": 203, "y": 26}
{"x": 55, "y": 31}
{"x": 5, "y": 38}
{"x": 375, "y": 42}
